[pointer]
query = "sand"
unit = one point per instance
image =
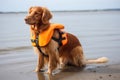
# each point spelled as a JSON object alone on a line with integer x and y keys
{"x": 20, "y": 66}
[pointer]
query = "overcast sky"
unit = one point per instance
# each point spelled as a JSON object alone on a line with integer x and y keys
{"x": 23, "y": 5}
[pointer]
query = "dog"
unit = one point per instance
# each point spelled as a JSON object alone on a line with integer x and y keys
{"x": 53, "y": 53}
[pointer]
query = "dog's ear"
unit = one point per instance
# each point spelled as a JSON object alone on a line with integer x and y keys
{"x": 46, "y": 16}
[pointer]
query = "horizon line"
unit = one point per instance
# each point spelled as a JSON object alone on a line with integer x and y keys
{"x": 91, "y": 10}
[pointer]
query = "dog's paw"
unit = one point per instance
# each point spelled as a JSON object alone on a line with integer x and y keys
{"x": 36, "y": 70}
{"x": 48, "y": 72}
{"x": 61, "y": 66}
{"x": 39, "y": 70}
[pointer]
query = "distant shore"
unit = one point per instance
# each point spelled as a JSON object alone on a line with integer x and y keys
{"x": 94, "y": 10}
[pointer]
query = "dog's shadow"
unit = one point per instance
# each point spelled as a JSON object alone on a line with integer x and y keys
{"x": 58, "y": 74}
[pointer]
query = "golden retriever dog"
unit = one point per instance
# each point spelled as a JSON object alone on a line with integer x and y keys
{"x": 53, "y": 53}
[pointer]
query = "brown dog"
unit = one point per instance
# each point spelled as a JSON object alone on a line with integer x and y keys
{"x": 71, "y": 53}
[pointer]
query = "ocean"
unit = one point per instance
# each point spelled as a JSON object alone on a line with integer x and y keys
{"x": 98, "y": 32}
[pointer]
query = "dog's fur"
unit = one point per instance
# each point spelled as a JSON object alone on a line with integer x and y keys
{"x": 71, "y": 53}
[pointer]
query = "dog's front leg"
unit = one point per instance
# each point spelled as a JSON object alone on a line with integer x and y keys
{"x": 40, "y": 63}
{"x": 53, "y": 61}
{"x": 40, "y": 60}
{"x": 53, "y": 54}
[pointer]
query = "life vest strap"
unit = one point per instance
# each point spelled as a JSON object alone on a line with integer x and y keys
{"x": 39, "y": 48}
{"x": 59, "y": 40}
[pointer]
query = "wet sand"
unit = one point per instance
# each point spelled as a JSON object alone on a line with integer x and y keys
{"x": 99, "y": 33}
{"x": 20, "y": 66}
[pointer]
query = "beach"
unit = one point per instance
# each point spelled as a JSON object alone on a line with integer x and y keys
{"x": 98, "y": 32}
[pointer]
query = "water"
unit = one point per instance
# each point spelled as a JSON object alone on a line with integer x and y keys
{"x": 98, "y": 32}
{"x": 13, "y": 33}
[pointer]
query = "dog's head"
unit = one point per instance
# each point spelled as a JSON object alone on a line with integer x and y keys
{"x": 38, "y": 15}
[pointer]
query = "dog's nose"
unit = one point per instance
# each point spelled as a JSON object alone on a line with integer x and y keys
{"x": 26, "y": 19}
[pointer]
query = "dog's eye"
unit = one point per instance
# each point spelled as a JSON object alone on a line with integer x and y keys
{"x": 29, "y": 12}
{"x": 37, "y": 12}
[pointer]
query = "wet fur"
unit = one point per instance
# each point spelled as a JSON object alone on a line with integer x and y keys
{"x": 70, "y": 54}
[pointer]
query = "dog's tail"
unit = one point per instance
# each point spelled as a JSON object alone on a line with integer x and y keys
{"x": 96, "y": 61}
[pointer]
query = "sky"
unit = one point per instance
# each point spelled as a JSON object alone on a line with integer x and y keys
{"x": 57, "y": 5}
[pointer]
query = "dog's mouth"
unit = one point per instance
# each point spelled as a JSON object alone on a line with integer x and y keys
{"x": 29, "y": 21}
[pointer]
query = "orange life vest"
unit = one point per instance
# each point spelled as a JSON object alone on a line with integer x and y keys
{"x": 43, "y": 38}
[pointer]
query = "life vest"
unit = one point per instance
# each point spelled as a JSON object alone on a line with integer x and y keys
{"x": 43, "y": 38}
